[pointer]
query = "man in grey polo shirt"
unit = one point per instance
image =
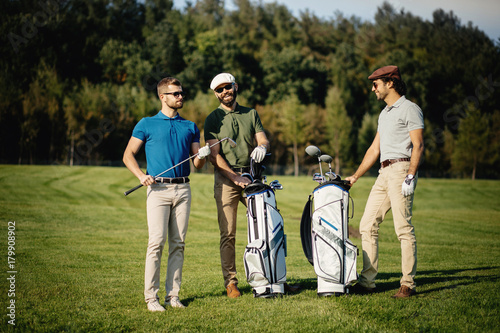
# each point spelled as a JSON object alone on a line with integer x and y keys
{"x": 400, "y": 145}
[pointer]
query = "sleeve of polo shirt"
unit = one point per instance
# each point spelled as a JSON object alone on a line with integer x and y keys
{"x": 139, "y": 131}
{"x": 209, "y": 128}
{"x": 257, "y": 123}
{"x": 196, "y": 137}
{"x": 415, "y": 118}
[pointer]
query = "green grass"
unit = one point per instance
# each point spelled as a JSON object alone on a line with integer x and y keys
{"x": 80, "y": 250}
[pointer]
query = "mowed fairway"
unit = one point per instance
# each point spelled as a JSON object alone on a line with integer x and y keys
{"x": 80, "y": 246}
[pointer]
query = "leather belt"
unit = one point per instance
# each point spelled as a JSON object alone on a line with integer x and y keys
{"x": 386, "y": 163}
{"x": 179, "y": 180}
{"x": 242, "y": 170}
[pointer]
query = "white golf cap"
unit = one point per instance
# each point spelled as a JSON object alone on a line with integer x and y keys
{"x": 220, "y": 79}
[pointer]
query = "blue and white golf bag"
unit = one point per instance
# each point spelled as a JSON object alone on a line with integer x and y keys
{"x": 325, "y": 237}
{"x": 265, "y": 253}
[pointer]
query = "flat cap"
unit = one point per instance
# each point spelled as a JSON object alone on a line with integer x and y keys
{"x": 220, "y": 79}
{"x": 386, "y": 71}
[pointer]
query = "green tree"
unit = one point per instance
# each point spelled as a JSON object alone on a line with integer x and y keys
{"x": 292, "y": 124}
{"x": 472, "y": 144}
{"x": 338, "y": 127}
{"x": 366, "y": 133}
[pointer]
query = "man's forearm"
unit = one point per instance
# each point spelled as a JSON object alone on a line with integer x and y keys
{"x": 368, "y": 161}
{"x": 221, "y": 165}
{"x": 131, "y": 164}
{"x": 416, "y": 157}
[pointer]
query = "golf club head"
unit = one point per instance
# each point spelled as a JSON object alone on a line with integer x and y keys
{"x": 332, "y": 176}
{"x": 317, "y": 177}
{"x": 326, "y": 158}
{"x": 275, "y": 185}
{"x": 313, "y": 151}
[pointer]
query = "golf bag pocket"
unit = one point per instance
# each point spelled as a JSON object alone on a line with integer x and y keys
{"x": 256, "y": 259}
{"x": 278, "y": 246}
{"x": 351, "y": 253}
{"x": 327, "y": 254}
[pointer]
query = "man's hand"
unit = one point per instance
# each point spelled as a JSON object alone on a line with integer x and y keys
{"x": 242, "y": 181}
{"x": 147, "y": 180}
{"x": 203, "y": 152}
{"x": 408, "y": 186}
{"x": 352, "y": 179}
{"x": 258, "y": 153}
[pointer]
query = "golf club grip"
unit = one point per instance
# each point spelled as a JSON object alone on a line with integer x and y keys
{"x": 133, "y": 189}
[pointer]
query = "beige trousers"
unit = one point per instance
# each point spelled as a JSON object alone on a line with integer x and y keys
{"x": 386, "y": 194}
{"x": 168, "y": 207}
{"x": 227, "y": 196}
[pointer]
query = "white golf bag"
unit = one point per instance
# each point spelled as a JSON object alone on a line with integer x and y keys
{"x": 264, "y": 256}
{"x": 325, "y": 238}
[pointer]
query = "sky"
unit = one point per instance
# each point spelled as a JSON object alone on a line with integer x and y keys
{"x": 485, "y": 14}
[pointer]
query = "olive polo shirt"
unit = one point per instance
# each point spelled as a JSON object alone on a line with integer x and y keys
{"x": 241, "y": 125}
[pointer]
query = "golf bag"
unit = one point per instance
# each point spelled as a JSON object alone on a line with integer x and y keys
{"x": 264, "y": 256}
{"x": 325, "y": 237}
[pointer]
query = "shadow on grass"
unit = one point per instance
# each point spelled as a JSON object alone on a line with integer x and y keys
{"x": 458, "y": 277}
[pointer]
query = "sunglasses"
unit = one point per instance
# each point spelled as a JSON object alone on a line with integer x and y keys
{"x": 226, "y": 87}
{"x": 175, "y": 94}
{"x": 375, "y": 84}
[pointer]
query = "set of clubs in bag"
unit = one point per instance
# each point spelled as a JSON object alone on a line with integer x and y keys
{"x": 314, "y": 151}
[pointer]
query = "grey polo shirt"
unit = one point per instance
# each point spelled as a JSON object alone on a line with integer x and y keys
{"x": 394, "y": 125}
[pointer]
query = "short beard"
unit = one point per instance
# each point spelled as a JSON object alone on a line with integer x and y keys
{"x": 231, "y": 102}
{"x": 175, "y": 107}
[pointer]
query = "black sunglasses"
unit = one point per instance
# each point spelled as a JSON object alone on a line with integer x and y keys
{"x": 227, "y": 87}
{"x": 176, "y": 94}
{"x": 375, "y": 84}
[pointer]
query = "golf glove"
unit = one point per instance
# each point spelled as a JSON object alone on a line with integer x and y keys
{"x": 259, "y": 153}
{"x": 203, "y": 152}
{"x": 408, "y": 185}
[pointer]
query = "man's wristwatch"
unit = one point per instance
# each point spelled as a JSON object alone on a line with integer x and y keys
{"x": 409, "y": 178}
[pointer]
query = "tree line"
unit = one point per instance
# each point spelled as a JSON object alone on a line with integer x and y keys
{"x": 77, "y": 75}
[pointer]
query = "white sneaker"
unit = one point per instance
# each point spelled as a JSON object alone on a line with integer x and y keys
{"x": 174, "y": 302}
{"x": 155, "y": 306}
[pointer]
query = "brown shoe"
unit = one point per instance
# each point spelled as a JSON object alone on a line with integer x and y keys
{"x": 404, "y": 292}
{"x": 232, "y": 291}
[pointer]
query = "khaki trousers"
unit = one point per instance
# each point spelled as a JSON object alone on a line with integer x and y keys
{"x": 168, "y": 207}
{"x": 227, "y": 196}
{"x": 385, "y": 195}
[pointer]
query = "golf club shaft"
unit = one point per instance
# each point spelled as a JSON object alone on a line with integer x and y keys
{"x": 158, "y": 175}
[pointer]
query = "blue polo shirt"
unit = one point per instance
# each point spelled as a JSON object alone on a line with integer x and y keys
{"x": 167, "y": 142}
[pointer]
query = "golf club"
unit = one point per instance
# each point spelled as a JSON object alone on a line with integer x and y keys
{"x": 315, "y": 152}
{"x": 317, "y": 177}
{"x": 232, "y": 143}
{"x": 327, "y": 159}
{"x": 275, "y": 185}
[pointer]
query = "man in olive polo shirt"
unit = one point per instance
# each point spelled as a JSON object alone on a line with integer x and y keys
{"x": 243, "y": 125}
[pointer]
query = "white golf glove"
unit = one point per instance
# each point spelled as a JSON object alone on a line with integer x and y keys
{"x": 203, "y": 152}
{"x": 258, "y": 153}
{"x": 408, "y": 185}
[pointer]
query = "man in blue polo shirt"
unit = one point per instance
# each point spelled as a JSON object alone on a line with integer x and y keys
{"x": 169, "y": 139}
